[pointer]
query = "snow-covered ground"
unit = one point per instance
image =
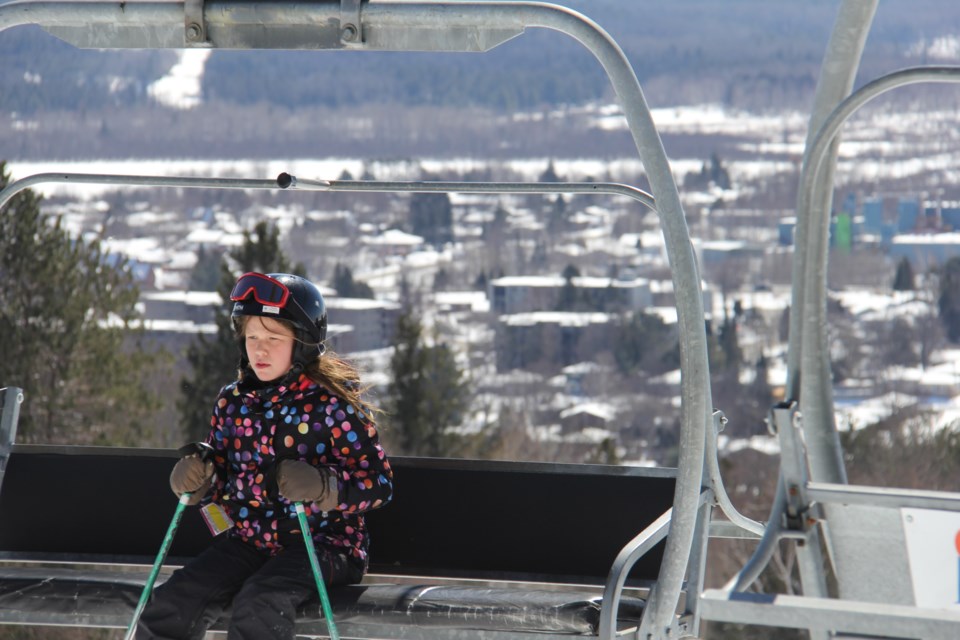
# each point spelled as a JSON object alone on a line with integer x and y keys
{"x": 181, "y": 87}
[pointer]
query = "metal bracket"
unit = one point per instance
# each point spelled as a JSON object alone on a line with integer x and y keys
{"x": 194, "y": 27}
{"x": 10, "y": 400}
{"x": 351, "y": 27}
{"x": 786, "y": 421}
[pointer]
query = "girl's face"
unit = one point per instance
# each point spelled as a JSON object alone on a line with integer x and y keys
{"x": 269, "y": 345}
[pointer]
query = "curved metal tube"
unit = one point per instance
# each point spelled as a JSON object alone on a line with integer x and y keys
{"x": 628, "y": 556}
{"x": 766, "y": 547}
{"x": 823, "y": 453}
{"x": 808, "y": 332}
{"x": 821, "y": 145}
{"x": 287, "y": 181}
{"x": 17, "y": 186}
{"x": 716, "y": 483}
{"x": 612, "y": 188}
{"x": 838, "y": 71}
{"x": 696, "y": 401}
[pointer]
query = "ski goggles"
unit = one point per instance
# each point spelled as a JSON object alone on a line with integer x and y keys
{"x": 265, "y": 290}
{"x": 275, "y": 298}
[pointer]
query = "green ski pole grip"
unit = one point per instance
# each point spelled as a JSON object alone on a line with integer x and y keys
{"x": 317, "y": 575}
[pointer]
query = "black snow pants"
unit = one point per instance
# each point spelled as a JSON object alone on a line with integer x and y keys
{"x": 265, "y": 592}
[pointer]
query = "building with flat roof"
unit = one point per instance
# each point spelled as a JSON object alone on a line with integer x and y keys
{"x": 524, "y": 294}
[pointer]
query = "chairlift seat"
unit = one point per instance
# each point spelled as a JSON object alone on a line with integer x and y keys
{"x": 481, "y": 548}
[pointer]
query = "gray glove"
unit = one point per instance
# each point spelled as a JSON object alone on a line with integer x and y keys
{"x": 301, "y": 482}
{"x": 193, "y": 475}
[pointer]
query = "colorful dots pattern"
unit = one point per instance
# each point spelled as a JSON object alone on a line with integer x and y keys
{"x": 253, "y": 429}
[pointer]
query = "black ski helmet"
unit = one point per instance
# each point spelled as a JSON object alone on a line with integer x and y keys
{"x": 288, "y": 297}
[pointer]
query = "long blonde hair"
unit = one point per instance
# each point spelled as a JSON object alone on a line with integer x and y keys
{"x": 330, "y": 370}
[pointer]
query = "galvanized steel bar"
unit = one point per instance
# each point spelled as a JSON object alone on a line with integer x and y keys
{"x": 628, "y": 556}
{"x": 809, "y": 376}
{"x": 808, "y": 367}
{"x": 287, "y": 181}
{"x": 595, "y": 188}
{"x": 17, "y": 186}
{"x": 889, "y": 498}
{"x": 859, "y": 619}
{"x": 715, "y": 481}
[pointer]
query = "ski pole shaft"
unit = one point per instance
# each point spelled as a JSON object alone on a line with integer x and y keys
{"x": 161, "y": 556}
{"x": 317, "y": 575}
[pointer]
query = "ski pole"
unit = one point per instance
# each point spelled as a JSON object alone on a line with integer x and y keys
{"x": 317, "y": 575}
{"x": 161, "y": 556}
{"x": 203, "y": 451}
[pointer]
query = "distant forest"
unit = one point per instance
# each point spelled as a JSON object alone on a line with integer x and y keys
{"x": 750, "y": 54}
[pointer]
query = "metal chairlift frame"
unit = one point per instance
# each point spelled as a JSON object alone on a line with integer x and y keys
{"x": 812, "y": 463}
{"x": 812, "y": 488}
{"x": 436, "y": 26}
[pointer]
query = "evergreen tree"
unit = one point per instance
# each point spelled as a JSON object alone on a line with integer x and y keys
{"x": 730, "y": 344}
{"x": 644, "y": 341}
{"x": 70, "y": 333}
{"x": 604, "y": 453}
{"x": 550, "y": 173}
{"x": 428, "y": 393}
{"x": 558, "y": 216}
{"x": 206, "y": 273}
{"x": 569, "y": 299}
{"x": 481, "y": 281}
{"x": 442, "y": 280}
{"x": 213, "y": 360}
{"x": 718, "y": 173}
{"x": 495, "y": 230}
{"x": 431, "y": 217}
{"x": 756, "y": 401}
{"x": 346, "y": 286}
{"x": 712, "y": 172}
{"x": 949, "y": 301}
{"x": 904, "y": 279}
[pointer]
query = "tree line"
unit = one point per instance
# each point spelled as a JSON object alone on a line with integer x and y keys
{"x": 683, "y": 52}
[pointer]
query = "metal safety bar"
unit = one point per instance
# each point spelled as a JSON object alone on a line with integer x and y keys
{"x": 286, "y": 181}
{"x": 808, "y": 371}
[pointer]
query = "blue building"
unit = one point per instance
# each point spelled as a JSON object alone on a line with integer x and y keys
{"x": 908, "y": 212}
{"x": 950, "y": 215}
{"x": 785, "y": 231}
{"x": 873, "y": 215}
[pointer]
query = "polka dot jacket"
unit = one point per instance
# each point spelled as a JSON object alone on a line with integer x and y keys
{"x": 252, "y": 430}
